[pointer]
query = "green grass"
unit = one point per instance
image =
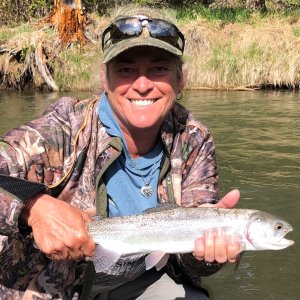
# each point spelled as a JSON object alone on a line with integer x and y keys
{"x": 69, "y": 68}
{"x": 224, "y": 62}
{"x": 296, "y": 31}
{"x": 234, "y": 14}
{"x": 75, "y": 70}
{"x": 225, "y": 14}
{"x": 254, "y": 52}
{"x": 8, "y": 33}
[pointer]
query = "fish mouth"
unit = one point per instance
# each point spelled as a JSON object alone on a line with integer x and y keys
{"x": 286, "y": 242}
{"x": 273, "y": 243}
{"x": 281, "y": 243}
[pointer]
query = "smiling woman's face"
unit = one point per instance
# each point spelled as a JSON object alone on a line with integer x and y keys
{"x": 141, "y": 84}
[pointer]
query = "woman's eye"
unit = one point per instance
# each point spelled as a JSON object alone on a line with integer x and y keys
{"x": 160, "y": 70}
{"x": 126, "y": 71}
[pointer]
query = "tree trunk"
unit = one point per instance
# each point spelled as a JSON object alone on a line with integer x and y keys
{"x": 69, "y": 19}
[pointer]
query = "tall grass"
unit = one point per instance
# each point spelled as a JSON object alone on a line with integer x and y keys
{"x": 264, "y": 53}
{"x": 226, "y": 14}
{"x": 238, "y": 14}
{"x": 225, "y": 49}
{"x": 75, "y": 70}
{"x": 9, "y": 33}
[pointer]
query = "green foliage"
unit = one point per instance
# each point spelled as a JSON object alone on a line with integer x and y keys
{"x": 223, "y": 60}
{"x": 15, "y": 12}
{"x": 104, "y": 7}
{"x": 283, "y": 3}
{"x": 26, "y": 51}
{"x": 226, "y": 14}
{"x": 39, "y": 7}
{"x": 296, "y": 31}
{"x": 9, "y": 33}
{"x": 143, "y": 2}
{"x": 74, "y": 69}
{"x": 236, "y": 66}
{"x": 254, "y": 52}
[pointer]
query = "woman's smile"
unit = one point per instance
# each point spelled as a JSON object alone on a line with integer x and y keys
{"x": 142, "y": 102}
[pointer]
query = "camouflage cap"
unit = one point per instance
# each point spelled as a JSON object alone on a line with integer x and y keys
{"x": 111, "y": 50}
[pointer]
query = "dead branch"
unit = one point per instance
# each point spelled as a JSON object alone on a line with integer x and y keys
{"x": 42, "y": 67}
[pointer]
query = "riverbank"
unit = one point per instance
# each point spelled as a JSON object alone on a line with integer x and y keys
{"x": 260, "y": 52}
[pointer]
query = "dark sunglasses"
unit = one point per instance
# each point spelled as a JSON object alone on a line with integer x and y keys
{"x": 127, "y": 28}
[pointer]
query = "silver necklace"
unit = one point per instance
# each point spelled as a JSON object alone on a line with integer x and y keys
{"x": 147, "y": 189}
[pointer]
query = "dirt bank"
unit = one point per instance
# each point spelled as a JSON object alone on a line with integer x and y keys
{"x": 265, "y": 52}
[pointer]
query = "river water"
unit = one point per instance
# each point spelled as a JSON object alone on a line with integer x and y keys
{"x": 257, "y": 135}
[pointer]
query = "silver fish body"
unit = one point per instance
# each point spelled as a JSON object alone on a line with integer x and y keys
{"x": 175, "y": 230}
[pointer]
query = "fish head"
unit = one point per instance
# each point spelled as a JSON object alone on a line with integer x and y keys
{"x": 267, "y": 232}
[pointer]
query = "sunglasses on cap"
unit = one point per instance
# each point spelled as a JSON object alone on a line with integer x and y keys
{"x": 130, "y": 27}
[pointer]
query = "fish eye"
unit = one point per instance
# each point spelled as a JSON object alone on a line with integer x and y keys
{"x": 279, "y": 226}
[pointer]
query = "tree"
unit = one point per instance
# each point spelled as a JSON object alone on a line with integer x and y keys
{"x": 70, "y": 20}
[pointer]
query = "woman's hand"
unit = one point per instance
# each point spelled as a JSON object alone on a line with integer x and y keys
{"x": 214, "y": 245}
{"x": 59, "y": 229}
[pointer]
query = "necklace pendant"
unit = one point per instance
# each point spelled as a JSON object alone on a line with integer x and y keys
{"x": 147, "y": 191}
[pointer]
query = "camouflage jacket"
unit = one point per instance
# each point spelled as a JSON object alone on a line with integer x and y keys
{"x": 68, "y": 150}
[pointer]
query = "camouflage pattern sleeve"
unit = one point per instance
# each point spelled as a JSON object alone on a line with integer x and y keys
{"x": 200, "y": 175}
{"x": 192, "y": 158}
{"x": 37, "y": 152}
{"x": 49, "y": 152}
{"x": 10, "y": 208}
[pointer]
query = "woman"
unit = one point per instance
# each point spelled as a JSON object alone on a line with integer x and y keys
{"x": 131, "y": 149}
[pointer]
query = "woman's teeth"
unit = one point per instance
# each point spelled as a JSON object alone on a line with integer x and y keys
{"x": 141, "y": 102}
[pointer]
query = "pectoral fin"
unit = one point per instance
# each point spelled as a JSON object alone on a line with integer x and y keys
{"x": 157, "y": 259}
{"x": 238, "y": 260}
{"x": 162, "y": 262}
{"x": 104, "y": 258}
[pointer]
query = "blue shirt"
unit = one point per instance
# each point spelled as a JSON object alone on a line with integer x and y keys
{"x": 123, "y": 178}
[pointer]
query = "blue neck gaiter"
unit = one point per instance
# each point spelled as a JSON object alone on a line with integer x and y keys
{"x": 127, "y": 179}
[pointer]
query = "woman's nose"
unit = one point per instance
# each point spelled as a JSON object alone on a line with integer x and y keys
{"x": 143, "y": 84}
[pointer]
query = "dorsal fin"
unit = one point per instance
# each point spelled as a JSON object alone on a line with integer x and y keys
{"x": 161, "y": 207}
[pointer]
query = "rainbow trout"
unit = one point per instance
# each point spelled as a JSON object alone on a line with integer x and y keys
{"x": 174, "y": 230}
